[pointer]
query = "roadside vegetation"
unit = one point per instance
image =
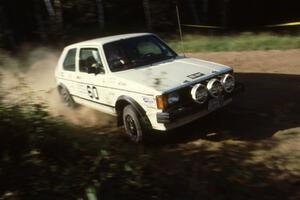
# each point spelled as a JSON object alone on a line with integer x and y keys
{"x": 241, "y": 42}
{"x": 46, "y": 158}
{"x": 42, "y": 157}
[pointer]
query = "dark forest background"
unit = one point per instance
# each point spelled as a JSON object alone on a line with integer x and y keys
{"x": 67, "y": 21}
{"x": 249, "y": 151}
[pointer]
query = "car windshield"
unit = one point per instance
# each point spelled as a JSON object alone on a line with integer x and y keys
{"x": 135, "y": 52}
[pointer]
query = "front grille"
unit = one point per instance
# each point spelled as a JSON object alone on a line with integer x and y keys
{"x": 186, "y": 99}
{"x": 185, "y": 95}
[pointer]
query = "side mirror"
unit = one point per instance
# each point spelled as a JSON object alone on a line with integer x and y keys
{"x": 98, "y": 69}
{"x": 90, "y": 70}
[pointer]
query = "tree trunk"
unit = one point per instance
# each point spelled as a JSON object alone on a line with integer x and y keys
{"x": 39, "y": 20}
{"x": 204, "y": 11}
{"x": 194, "y": 11}
{"x": 224, "y": 13}
{"x": 1, "y": 28}
{"x": 6, "y": 35}
{"x": 58, "y": 15}
{"x": 55, "y": 17}
{"x": 49, "y": 7}
{"x": 147, "y": 11}
{"x": 100, "y": 12}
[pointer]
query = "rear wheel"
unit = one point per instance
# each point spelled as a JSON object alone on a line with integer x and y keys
{"x": 67, "y": 98}
{"x": 133, "y": 125}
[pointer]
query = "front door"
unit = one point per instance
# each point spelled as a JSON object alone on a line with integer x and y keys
{"x": 91, "y": 77}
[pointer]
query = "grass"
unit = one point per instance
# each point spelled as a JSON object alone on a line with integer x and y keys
{"x": 241, "y": 42}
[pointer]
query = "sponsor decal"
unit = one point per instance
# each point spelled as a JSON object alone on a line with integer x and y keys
{"x": 195, "y": 75}
{"x": 149, "y": 100}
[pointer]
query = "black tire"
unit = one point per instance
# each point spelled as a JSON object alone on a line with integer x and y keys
{"x": 67, "y": 98}
{"x": 133, "y": 125}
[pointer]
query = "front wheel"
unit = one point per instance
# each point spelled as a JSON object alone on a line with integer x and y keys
{"x": 132, "y": 124}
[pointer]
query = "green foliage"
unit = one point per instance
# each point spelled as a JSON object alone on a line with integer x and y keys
{"x": 45, "y": 157}
{"x": 242, "y": 42}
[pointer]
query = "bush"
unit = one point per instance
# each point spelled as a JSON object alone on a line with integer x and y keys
{"x": 46, "y": 158}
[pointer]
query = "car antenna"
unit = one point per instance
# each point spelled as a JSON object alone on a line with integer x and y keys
{"x": 180, "y": 30}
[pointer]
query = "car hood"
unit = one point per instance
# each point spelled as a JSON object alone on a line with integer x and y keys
{"x": 171, "y": 74}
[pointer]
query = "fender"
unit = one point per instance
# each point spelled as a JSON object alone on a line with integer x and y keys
{"x": 136, "y": 106}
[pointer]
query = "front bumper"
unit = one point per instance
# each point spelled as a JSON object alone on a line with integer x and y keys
{"x": 195, "y": 110}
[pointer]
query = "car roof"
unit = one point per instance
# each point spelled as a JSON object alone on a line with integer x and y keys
{"x": 103, "y": 40}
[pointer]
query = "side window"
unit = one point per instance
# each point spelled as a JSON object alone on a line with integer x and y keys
{"x": 114, "y": 55}
{"x": 69, "y": 62}
{"x": 89, "y": 60}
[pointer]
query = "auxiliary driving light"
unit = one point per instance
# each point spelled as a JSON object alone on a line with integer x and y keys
{"x": 215, "y": 88}
{"x": 228, "y": 83}
{"x": 199, "y": 93}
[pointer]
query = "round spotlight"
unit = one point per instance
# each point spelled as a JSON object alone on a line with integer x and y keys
{"x": 199, "y": 93}
{"x": 215, "y": 88}
{"x": 228, "y": 83}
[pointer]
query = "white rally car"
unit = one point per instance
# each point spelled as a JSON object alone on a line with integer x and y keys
{"x": 142, "y": 81}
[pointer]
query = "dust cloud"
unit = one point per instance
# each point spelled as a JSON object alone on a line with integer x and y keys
{"x": 29, "y": 77}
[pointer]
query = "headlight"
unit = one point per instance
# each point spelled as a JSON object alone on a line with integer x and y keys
{"x": 163, "y": 101}
{"x": 199, "y": 93}
{"x": 215, "y": 88}
{"x": 228, "y": 83}
{"x": 173, "y": 98}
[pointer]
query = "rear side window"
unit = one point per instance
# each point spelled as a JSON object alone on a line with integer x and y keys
{"x": 69, "y": 62}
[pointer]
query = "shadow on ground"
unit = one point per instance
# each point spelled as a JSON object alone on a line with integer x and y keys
{"x": 233, "y": 153}
{"x": 270, "y": 103}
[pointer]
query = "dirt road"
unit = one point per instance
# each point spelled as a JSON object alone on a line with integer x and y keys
{"x": 250, "y": 150}
{"x": 274, "y": 61}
